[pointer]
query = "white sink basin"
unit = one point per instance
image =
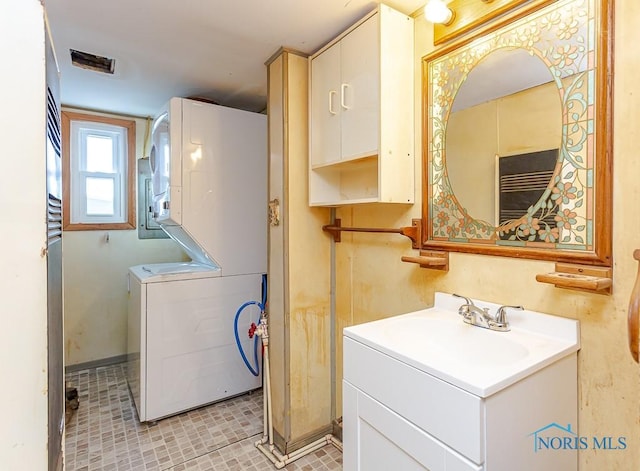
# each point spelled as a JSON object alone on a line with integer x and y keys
{"x": 447, "y": 335}
{"x": 478, "y": 360}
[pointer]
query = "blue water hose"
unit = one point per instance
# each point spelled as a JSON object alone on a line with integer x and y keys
{"x": 254, "y": 371}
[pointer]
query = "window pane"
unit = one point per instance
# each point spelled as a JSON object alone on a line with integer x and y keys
{"x": 99, "y": 157}
{"x": 100, "y": 196}
{"x": 99, "y": 154}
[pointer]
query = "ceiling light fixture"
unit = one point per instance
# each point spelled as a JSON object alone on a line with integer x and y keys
{"x": 436, "y": 11}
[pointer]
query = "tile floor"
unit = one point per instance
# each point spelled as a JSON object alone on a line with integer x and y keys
{"x": 105, "y": 434}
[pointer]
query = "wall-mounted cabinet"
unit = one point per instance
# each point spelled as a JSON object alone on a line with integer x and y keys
{"x": 361, "y": 114}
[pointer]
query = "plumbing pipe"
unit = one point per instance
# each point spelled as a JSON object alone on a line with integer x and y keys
{"x": 254, "y": 371}
{"x": 271, "y": 452}
{"x": 262, "y": 331}
{"x": 269, "y": 417}
{"x": 280, "y": 461}
{"x": 265, "y": 376}
{"x": 332, "y": 318}
{"x": 262, "y": 305}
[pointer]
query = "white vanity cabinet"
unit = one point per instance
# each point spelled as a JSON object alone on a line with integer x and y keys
{"x": 409, "y": 406}
{"x": 361, "y": 114}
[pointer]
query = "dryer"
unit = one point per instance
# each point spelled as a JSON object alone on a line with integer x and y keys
{"x": 209, "y": 183}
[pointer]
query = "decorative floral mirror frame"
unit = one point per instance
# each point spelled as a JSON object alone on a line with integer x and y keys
{"x": 573, "y": 39}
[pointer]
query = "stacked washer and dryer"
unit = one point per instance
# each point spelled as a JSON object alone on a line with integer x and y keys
{"x": 209, "y": 167}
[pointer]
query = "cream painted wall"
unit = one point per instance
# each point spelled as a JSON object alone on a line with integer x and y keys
{"x": 23, "y": 282}
{"x": 374, "y": 283}
{"x": 95, "y": 283}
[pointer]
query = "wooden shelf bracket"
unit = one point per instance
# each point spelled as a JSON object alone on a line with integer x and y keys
{"x": 433, "y": 259}
{"x": 579, "y": 277}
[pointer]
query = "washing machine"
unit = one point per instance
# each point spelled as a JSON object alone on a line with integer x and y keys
{"x": 181, "y": 349}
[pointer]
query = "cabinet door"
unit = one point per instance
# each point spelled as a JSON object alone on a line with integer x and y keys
{"x": 325, "y": 107}
{"x": 378, "y": 439}
{"x": 360, "y": 90}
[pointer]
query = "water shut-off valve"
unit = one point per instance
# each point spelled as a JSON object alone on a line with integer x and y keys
{"x": 261, "y": 330}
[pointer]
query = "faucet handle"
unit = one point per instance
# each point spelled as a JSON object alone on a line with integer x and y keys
{"x": 467, "y": 300}
{"x": 465, "y": 309}
{"x": 501, "y": 315}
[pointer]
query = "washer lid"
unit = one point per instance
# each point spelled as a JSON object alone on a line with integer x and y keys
{"x": 158, "y": 272}
{"x": 189, "y": 245}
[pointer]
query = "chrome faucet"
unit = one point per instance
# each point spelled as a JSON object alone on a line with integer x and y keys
{"x": 480, "y": 317}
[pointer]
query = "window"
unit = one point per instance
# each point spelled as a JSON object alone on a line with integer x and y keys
{"x": 98, "y": 173}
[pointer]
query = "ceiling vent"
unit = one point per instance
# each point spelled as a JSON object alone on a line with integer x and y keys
{"x": 92, "y": 62}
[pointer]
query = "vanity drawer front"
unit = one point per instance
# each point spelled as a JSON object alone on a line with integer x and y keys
{"x": 387, "y": 441}
{"x": 446, "y": 412}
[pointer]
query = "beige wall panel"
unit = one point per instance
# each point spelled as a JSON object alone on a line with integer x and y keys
{"x": 277, "y": 307}
{"x": 309, "y": 273}
{"x": 310, "y": 370}
{"x": 609, "y": 385}
{"x": 344, "y": 285}
{"x": 299, "y": 264}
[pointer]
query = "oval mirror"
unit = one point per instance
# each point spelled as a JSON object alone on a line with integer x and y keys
{"x": 517, "y": 138}
{"x": 502, "y": 136}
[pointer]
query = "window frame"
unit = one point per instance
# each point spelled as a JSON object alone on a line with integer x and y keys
{"x": 130, "y": 193}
